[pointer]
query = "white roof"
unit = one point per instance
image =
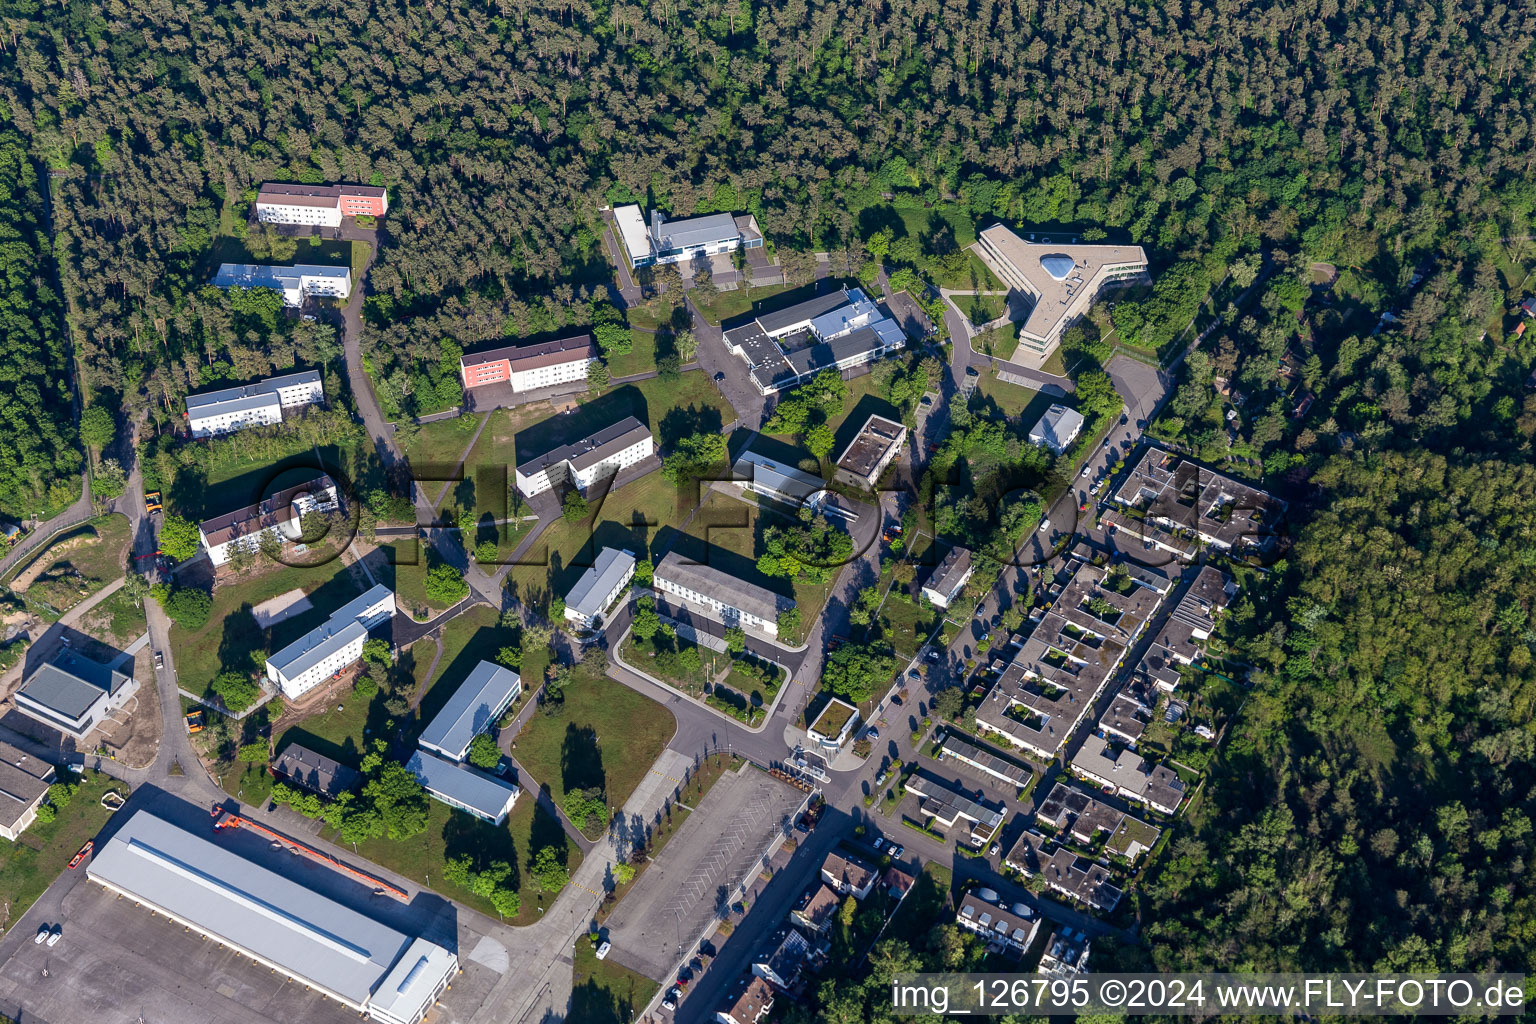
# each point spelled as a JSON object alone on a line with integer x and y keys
{"x": 859, "y": 312}
{"x": 1057, "y": 428}
{"x": 269, "y": 916}
{"x": 631, "y": 224}
{"x": 331, "y": 635}
{"x": 589, "y": 593}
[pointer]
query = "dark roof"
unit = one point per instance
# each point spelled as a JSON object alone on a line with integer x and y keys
{"x": 531, "y": 357}
{"x": 304, "y": 767}
{"x": 590, "y": 450}
{"x": 810, "y": 309}
{"x": 23, "y": 781}
{"x": 275, "y": 511}
{"x": 293, "y": 194}
{"x": 71, "y": 684}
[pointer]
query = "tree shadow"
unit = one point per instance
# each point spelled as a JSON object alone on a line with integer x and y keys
{"x": 681, "y": 422}
{"x": 581, "y": 760}
{"x": 546, "y": 831}
{"x": 483, "y": 843}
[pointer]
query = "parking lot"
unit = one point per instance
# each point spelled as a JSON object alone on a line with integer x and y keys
{"x": 697, "y": 873}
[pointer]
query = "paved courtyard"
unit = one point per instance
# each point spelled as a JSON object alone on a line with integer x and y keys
{"x": 698, "y": 871}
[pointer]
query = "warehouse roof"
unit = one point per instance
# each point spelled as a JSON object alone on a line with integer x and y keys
{"x": 592, "y": 589}
{"x": 484, "y": 693}
{"x": 268, "y": 916}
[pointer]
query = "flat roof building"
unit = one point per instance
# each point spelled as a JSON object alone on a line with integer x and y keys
{"x": 592, "y": 459}
{"x": 949, "y": 576}
{"x": 1073, "y": 653}
{"x": 318, "y": 205}
{"x": 332, "y": 645}
{"x": 1173, "y": 492}
{"x": 681, "y": 240}
{"x": 485, "y": 694}
{"x": 1057, "y": 429}
{"x": 1123, "y": 771}
{"x": 529, "y": 367}
{"x": 1193, "y": 618}
{"x": 280, "y": 516}
{"x": 1087, "y": 881}
{"x": 252, "y": 405}
{"x": 295, "y": 284}
{"x": 872, "y": 449}
{"x": 948, "y": 806}
{"x": 1124, "y": 720}
{"x": 839, "y": 330}
{"x": 1006, "y": 928}
{"x": 1063, "y": 280}
{"x": 283, "y": 925}
{"x": 600, "y": 586}
{"x": 719, "y": 595}
{"x": 834, "y": 724}
{"x": 74, "y": 695}
{"x": 777, "y": 480}
{"x": 985, "y": 761}
{"x": 24, "y": 781}
{"x": 1066, "y": 954}
{"x": 458, "y": 785}
{"x": 1072, "y": 812}
{"x": 308, "y": 769}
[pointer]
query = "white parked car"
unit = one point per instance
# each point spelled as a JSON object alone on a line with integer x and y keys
{"x": 602, "y": 950}
{"x": 55, "y": 935}
{"x": 1045, "y": 524}
{"x": 42, "y": 935}
{"x": 1086, "y": 471}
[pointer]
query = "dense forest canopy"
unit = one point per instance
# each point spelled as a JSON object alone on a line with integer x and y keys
{"x": 1374, "y": 806}
{"x": 1366, "y": 133}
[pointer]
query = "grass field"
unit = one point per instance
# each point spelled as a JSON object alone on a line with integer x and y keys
{"x": 641, "y": 358}
{"x": 907, "y": 624}
{"x": 232, "y": 639}
{"x": 603, "y": 992}
{"x": 1014, "y": 400}
{"x": 42, "y": 852}
{"x": 247, "y": 476}
{"x": 439, "y": 444}
{"x": 78, "y": 563}
{"x": 652, "y": 314}
{"x": 406, "y": 573}
{"x": 605, "y": 736}
{"x": 728, "y": 305}
{"x": 451, "y": 833}
{"x": 982, "y": 309}
{"x": 117, "y": 621}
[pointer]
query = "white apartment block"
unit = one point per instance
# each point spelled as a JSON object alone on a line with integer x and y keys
{"x": 252, "y": 405}
{"x": 1063, "y": 280}
{"x": 331, "y": 646}
{"x": 296, "y": 283}
{"x": 318, "y": 205}
{"x": 600, "y": 586}
{"x": 279, "y": 516}
{"x": 586, "y": 462}
{"x": 719, "y": 596}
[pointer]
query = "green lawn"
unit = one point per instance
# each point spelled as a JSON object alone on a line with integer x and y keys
{"x": 248, "y": 474}
{"x": 232, "y": 640}
{"x": 405, "y": 571}
{"x": 451, "y": 833}
{"x": 605, "y": 736}
{"x": 653, "y": 313}
{"x": 438, "y": 445}
{"x": 116, "y": 621}
{"x": 340, "y": 734}
{"x": 603, "y": 992}
{"x": 974, "y": 277}
{"x": 906, "y": 623}
{"x": 1014, "y": 400}
{"x": 728, "y": 305}
{"x": 983, "y": 309}
{"x": 641, "y": 358}
{"x": 42, "y": 852}
{"x": 96, "y": 554}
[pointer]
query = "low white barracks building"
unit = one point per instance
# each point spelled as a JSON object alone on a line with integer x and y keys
{"x": 318, "y": 205}
{"x": 331, "y": 646}
{"x": 252, "y": 405}
{"x": 585, "y": 462}
{"x": 529, "y": 367}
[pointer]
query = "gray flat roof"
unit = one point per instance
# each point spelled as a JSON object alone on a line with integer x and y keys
{"x": 590, "y": 450}
{"x": 594, "y": 586}
{"x": 71, "y": 685}
{"x": 736, "y": 592}
{"x": 482, "y": 694}
{"x": 876, "y": 437}
{"x": 335, "y": 632}
{"x": 776, "y": 476}
{"x": 249, "y": 391}
{"x": 257, "y": 910}
{"x": 461, "y": 785}
{"x": 679, "y": 234}
{"x": 873, "y": 338}
{"x": 810, "y": 309}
